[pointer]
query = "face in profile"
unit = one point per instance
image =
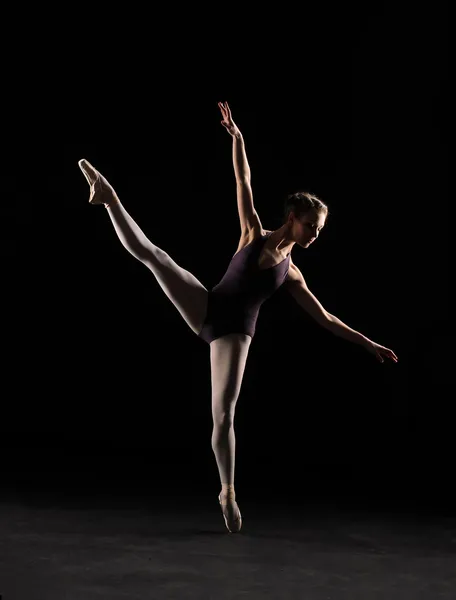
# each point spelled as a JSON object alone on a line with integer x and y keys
{"x": 307, "y": 228}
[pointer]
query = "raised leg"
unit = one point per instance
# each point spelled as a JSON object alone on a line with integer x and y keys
{"x": 184, "y": 290}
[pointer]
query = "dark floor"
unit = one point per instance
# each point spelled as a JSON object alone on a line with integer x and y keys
{"x": 80, "y": 536}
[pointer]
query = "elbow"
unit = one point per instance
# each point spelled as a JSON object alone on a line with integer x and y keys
{"x": 326, "y": 320}
{"x": 142, "y": 252}
{"x": 243, "y": 178}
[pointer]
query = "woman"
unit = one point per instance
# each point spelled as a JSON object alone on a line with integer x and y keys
{"x": 225, "y": 317}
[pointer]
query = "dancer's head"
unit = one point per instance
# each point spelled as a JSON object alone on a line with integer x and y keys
{"x": 305, "y": 215}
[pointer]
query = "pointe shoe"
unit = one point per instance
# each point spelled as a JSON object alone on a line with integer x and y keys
{"x": 231, "y": 513}
{"x": 101, "y": 191}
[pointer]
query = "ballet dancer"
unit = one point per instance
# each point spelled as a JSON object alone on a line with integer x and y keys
{"x": 225, "y": 317}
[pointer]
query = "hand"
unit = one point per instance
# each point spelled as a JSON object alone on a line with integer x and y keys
{"x": 227, "y": 121}
{"x": 380, "y": 351}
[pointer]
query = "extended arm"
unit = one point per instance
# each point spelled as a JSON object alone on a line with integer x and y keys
{"x": 304, "y": 297}
{"x": 248, "y": 216}
{"x": 337, "y": 327}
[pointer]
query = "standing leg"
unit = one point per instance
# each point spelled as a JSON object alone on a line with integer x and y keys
{"x": 184, "y": 290}
{"x": 228, "y": 359}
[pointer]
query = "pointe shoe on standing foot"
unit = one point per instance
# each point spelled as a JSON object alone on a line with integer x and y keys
{"x": 101, "y": 191}
{"x": 231, "y": 512}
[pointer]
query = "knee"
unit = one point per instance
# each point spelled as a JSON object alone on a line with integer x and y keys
{"x": 224, "y": 421}
{"x": 221, "y": 434}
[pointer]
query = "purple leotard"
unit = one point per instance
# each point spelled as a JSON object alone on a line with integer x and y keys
{"x": 234, "y": 303}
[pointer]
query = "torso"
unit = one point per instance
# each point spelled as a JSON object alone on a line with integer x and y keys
{"x": 267, "y": 257}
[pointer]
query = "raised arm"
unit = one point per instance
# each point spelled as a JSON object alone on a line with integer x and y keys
{"x": 248, "y": 216}
{"x": 297, "y": 287}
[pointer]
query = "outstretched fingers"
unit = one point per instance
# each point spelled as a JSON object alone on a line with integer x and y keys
{"x": 226, "y": 111}
{"x": 382, "y": 351}
{"x": 393, "y": 356}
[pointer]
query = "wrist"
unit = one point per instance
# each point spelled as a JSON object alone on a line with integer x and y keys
{"x": 365, "y": 342}
{"x": 112, "y": 202}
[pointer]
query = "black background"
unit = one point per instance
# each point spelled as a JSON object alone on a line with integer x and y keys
{"x": 348, "y": 103}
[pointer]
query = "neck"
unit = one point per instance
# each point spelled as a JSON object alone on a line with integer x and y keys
{"x": 281, "y": 240}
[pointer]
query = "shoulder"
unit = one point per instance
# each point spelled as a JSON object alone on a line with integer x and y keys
{"x": 294, "y": 275}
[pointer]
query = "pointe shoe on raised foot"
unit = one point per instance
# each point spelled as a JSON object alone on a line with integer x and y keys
{"x": 101, "y": 191}
{"x": 231, "y": 514}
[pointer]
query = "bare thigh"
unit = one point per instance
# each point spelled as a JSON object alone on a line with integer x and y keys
{"x": 185, "y": 291}
{"x": 228, "y": 360}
